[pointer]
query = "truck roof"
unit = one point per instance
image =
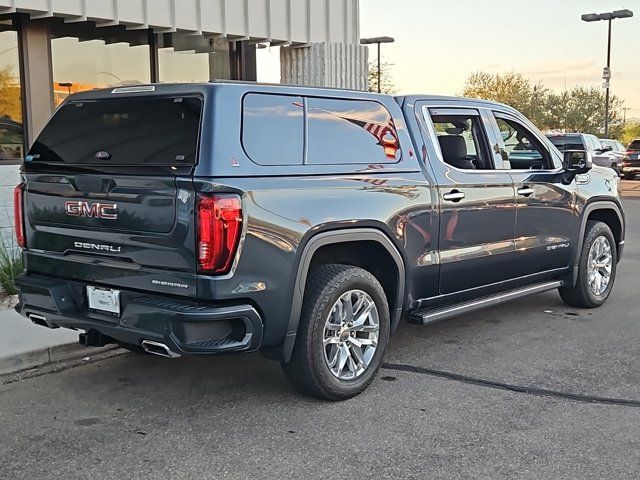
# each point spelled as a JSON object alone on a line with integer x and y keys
{"x": 209, "y": 87}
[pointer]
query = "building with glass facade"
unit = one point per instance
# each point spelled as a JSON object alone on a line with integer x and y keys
{"x": 50, "y": 49}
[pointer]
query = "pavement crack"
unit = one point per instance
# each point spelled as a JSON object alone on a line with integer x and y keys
{"x": 540, "y": 392}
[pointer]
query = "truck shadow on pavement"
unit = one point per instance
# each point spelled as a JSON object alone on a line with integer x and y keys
{"x": 537, "y": 341}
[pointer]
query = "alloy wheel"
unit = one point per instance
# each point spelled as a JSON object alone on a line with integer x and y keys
{"x": 350, "y": 336}
{"x": 600, "y": 265}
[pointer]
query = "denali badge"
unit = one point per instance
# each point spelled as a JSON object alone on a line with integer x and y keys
{"x": 106, "y": 211}
{"x": 96, "y": 246}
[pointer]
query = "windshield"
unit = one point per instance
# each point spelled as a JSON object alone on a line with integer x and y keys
{"x": 122, "y": 131}
{"x": 568, "y": 142}
{"x": 635, "y": 145}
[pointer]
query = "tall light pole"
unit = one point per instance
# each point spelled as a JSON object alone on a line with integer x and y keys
{"x": 608, "y": 16}
{"x": 378, "y": 41}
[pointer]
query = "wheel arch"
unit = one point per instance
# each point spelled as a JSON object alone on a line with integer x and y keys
{"x": 343, "y": 238}
{"x": 608, "y": 212}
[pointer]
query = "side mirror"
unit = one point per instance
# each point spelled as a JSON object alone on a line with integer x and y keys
{"x": 608, "y": 148}
{"x": 577, "y": 162}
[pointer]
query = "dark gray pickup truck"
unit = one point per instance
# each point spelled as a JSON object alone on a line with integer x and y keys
{"x": 201, "y": 219}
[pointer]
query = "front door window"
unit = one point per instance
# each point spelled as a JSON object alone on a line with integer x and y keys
{"x": 522, "y": 149}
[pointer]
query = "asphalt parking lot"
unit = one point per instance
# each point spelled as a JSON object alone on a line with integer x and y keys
{"x": 137, "y": 416}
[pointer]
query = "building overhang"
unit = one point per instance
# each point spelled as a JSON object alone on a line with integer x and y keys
{"x": 278, "y": 22}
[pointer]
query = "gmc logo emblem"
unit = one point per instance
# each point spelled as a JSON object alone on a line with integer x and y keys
{"x": 106, "y": 211}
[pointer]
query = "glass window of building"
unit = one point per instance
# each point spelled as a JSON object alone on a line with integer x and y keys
{"x": 11, "y": 120}
{"x": 268, "y": 63}
{"x": 84, "y": 65}
{"x": 192, "y": 58}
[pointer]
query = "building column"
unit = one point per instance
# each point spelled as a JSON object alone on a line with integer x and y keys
{"x": 37, "y": 77}
{"x": 326, "y": 64}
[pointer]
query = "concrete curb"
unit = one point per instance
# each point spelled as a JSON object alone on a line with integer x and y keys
{"x": 44, "y": 356}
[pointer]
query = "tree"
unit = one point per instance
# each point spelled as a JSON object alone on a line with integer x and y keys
{"x": 10, "y": 99}
{"x": 630, "y": 132}
{"x": 511, "y": 88}
{"x": 581, "y": 109}
{"x": 387, "y": 85}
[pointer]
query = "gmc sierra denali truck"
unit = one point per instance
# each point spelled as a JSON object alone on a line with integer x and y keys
{"x": 201, "y": 219}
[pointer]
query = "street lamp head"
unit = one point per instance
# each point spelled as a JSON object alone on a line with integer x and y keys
{"x": 374, "y": 40}
{"x": 594, "y": 17}
{"x": 590, "y": 17}
{"x": 623, "y": 14}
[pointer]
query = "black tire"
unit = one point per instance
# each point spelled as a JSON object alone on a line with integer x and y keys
{"x": 308, "y": 370}
{"x": 581, "y": 295}
{"x": 629, "y": 176}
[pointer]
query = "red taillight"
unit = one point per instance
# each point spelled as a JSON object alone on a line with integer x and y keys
{"x": 219, "y": 229}
{"x": 18, "y": 214}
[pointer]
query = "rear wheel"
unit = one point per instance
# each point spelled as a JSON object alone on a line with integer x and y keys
{"x": 596, "y": 268}
{"x": 343, "y": 333}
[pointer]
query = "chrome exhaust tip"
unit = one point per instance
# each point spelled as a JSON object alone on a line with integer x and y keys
{"x": 40, "y": 320}
{"x": 157, "y": 348}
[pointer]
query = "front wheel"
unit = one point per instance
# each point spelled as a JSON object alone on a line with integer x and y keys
{"x": 343, "y": 333}
{"x": 596, "y": 268}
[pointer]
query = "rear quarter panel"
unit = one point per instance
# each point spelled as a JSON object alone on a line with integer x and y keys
{"x": 285, "y": 206}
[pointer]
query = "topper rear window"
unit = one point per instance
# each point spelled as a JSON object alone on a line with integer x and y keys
{"x": 122, "y": 131}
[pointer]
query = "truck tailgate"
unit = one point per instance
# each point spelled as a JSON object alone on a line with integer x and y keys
{"x": 139, "y": 229}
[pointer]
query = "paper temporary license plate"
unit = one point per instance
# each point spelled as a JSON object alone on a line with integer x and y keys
{"x": 104, "y": 299}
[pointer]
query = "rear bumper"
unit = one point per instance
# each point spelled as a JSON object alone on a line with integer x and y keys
{"x": 186, "y": 328}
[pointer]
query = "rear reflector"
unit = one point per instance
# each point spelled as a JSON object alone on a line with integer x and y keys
{"x": 18, "y": 214}
{"x": 219, "y": 230}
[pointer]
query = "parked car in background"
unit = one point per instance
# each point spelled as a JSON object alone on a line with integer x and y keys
{"x": 615, "y": 148}
{"x": 631, "y": 161}
{"x": 583, "y": 141}
{"x": 11, "y": 139}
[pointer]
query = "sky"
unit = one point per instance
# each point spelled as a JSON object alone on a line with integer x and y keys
{"x": 438, "y": 43}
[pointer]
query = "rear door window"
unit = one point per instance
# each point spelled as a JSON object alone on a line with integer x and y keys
{"x": 462, "y": 140}
{"x": 350, "y": 132}
{"x": 273, "y": 129}
{"x": 122, "y": 131}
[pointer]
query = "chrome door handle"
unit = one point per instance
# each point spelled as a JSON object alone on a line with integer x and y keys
{"x": 526, "y": 191}
{"x": 453, "y": 196}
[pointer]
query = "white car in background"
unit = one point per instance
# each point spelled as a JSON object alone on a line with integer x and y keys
{"x": 601, "y": 155}
{"x": 615, "y": 148}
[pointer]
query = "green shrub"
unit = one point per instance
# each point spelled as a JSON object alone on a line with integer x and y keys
{"x": 10, "y": 266}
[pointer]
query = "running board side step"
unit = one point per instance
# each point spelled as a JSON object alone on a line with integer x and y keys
{"x": 437, "y": 314}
